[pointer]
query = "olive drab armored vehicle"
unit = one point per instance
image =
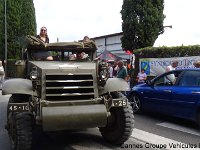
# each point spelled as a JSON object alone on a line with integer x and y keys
{"x": 71, "y": 91}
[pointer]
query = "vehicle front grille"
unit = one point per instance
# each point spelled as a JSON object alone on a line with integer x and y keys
{"x": 69, "y": 87}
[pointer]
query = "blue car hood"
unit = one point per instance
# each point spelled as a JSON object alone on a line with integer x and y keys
{"x": 140, "y": 85}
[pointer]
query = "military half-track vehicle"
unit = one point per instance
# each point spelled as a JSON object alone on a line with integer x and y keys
{"x": 65, "y": 94}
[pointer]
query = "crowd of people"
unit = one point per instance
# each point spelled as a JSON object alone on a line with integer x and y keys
{"x": 124, "y": 70}
{"x": 120, "y": 70}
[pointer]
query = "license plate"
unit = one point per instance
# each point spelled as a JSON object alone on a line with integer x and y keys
{"x": 18, "y": 107}
{"x": 119, "y": 103}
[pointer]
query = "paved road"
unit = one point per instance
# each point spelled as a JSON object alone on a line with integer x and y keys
{"x": 174, "y": 133}
{"x": 161, "y": 132}
{"x": 4, "y": 140}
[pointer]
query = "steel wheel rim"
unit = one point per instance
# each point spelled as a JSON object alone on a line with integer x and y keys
{"x": 135, "y": 103}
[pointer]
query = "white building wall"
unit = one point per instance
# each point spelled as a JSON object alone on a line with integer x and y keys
{"x": 114, "y": 39}
{"x": 100, "y": 45}
{"x": 111, "y": 43}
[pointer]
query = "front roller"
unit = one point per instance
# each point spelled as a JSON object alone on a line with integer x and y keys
{"x": 120, "y": 126}
{"x": 73, "y": 117}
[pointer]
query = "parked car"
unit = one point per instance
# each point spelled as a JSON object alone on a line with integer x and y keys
{"x": 175, "y": 93}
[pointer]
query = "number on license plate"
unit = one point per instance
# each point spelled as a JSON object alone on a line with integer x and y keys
{"x": 17, "y": 107}
{"x": 118, "y": 103}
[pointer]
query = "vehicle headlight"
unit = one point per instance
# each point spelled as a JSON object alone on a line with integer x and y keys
{"x": 34, "y": 74}
{"x": 103, "y": 75}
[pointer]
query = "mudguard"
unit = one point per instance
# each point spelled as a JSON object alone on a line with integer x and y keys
{"x": 17, "y": 86}
{"x": 115, "y": 84}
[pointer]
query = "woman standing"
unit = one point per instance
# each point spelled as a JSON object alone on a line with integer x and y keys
{"x": 43, "y": 35}
{"x": 141, "y": 77}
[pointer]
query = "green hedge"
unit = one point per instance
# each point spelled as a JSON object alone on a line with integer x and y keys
{"x": 166, "y": 52}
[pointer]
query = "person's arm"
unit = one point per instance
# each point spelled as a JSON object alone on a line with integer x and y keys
{"x": 126, "y": 74}
{"x": 145, "y": 76}
{"x": 116, "y": 68}
{"x": 49, "y": 58}
{"x": 126, "y": 78}
{"x": 138, "y": 77}
{"x": 167, "y": 69}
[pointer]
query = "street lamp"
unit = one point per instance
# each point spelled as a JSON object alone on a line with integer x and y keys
{"x": 170, "y": 26}
{"x": 5, "y": 63}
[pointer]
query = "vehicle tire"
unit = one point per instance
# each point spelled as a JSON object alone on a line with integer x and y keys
{"x": 9, "y": 101}
{"x": 120, "y": 128}
{"x": 135, "y": 102}
{"x": 20, "y": 130}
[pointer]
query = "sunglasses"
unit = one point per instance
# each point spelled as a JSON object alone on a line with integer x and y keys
{"x": 43, "y": 30}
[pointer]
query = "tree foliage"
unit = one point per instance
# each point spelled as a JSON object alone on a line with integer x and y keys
{"x": 20, "y": 22}
{"x": 142, "y": 23}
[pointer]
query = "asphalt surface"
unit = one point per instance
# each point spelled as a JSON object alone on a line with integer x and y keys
{"x": 4, "y": 139}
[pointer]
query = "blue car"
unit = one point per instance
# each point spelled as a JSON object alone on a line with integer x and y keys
{"x": 175, "y": 93}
